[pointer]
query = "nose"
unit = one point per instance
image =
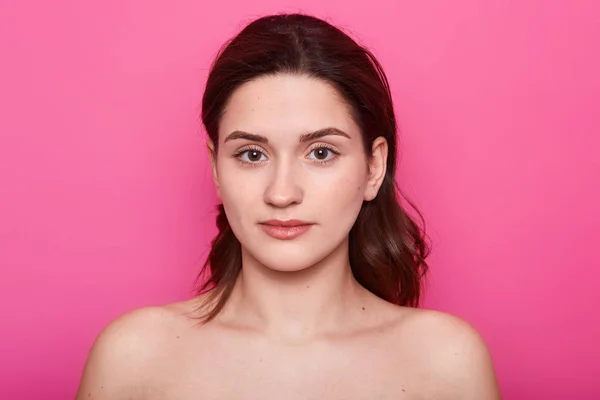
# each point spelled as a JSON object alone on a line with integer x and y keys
{"x": 283, "y": 188}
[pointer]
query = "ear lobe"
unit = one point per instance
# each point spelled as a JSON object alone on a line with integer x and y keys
{"x": 212, "y": 156}
{"x": 377, "y": 168}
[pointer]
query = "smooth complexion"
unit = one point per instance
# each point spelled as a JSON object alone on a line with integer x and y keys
{"x": 294, "y": 154}
{"x": 292, "y": 173}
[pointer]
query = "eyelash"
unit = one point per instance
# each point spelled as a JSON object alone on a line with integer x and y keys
{"x": 259, "y": 150}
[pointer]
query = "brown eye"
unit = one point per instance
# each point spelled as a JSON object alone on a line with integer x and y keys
{"x": 254, "y": 155}
{"x": 251, "y": 156}
{"x": 321, "y": 153}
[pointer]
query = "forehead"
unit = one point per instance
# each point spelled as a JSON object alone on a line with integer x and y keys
{"x": 286, "y": 106}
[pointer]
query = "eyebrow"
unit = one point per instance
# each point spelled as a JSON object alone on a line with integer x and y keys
{"x": 306, "y": 137}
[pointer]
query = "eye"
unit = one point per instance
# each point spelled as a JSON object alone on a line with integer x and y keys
{"x": 322, "y": 153}
{"x": 251, "y": 156}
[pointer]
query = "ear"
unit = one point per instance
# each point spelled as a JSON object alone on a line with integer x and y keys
{"x": 377, "y": 168}
{"x": 212, "y": 156}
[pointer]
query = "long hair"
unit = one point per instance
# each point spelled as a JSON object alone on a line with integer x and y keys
{"x": 387, "y": 248}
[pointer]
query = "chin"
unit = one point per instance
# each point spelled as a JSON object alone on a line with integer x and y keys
{"x": 287, "y": 268}
{"x": 288, "y": 260}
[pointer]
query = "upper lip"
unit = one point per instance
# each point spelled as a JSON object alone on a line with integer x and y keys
{"x": 289, "y": 222}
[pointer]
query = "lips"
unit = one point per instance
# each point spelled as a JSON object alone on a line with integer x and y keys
{"x": 285, "y": 230}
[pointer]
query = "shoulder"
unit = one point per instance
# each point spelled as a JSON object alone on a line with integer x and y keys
{"x": 126, "y": 351}
{"x": 453, "y": 353}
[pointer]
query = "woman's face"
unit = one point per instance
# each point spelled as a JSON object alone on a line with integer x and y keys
{"x": 289, "y": 151}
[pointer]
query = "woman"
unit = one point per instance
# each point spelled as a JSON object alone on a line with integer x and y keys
{"x": 315, "y": 274}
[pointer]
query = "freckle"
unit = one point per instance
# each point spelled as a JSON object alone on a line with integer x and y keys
{"x": 177, "y": 337}
{"x": 101, "y": 387}
{"x": 307, "y": 286}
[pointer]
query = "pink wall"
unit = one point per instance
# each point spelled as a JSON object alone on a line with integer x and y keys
{"x": 105, "y": 195}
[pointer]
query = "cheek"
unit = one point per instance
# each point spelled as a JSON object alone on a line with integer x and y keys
{"x": 232, "y": 181}
{"x": 238, "y": 201}
{"x": 343, "y": 195}
{"x": 237, "y": 192}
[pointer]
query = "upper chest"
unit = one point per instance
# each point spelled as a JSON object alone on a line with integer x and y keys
{"x": 252, "y": 368}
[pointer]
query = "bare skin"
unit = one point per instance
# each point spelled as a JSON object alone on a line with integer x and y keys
{"x": 390, "y": 353}
{"x": 297, "y": 324}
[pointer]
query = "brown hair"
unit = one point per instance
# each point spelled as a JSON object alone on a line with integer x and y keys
{"x": 387, "y": 249}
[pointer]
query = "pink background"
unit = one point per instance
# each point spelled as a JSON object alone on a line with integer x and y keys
{"x": 106, "y": 199}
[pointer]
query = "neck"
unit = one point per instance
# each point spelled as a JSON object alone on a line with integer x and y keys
{"x": 295, "y": 306}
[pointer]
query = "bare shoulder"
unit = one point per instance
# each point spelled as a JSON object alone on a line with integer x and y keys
{"x": 452, "y": 351}
{"x": 125, "y": 353}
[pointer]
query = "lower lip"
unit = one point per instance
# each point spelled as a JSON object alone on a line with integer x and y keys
{"x": 285, "y": 232}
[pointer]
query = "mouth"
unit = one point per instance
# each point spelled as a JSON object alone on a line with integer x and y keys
{"x": 285, "y": 230}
